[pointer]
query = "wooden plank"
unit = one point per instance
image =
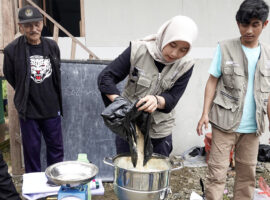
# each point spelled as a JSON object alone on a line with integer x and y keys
{"x": 73, "y": 50}
{"x": 55, "y": 33}
{"x": 14, "y": 128}
{"x": 20, "y": 3}
{"x": 63, "y": 29}
{"x": 45, "y": 10}
{"x": 82, "y": 22}
{"x": 15, "y": 14}
{"x": 1, "y": 41}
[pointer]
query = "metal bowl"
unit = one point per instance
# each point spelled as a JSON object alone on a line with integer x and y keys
{"x": 72, "y": 173}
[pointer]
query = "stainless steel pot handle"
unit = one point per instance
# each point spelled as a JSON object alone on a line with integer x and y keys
{"x": 178, "y": 165}
{"x": 166, "y": 193}
{"x": 108, "y": 161}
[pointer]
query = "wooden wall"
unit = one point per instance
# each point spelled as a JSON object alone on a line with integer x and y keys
{"x": 8, "y": 28}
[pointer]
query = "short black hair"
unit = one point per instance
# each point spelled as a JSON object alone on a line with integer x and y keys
{"x": 252, "y": 9}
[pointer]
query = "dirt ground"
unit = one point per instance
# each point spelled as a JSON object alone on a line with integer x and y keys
{"x": 186, "y": 180}
{"x": 183, "y": 182}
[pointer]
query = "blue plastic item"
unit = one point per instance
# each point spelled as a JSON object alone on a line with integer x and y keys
{"x": 80, "y": 192}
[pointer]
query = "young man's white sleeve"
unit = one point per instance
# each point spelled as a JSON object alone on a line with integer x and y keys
{"x": 215, "y": 68}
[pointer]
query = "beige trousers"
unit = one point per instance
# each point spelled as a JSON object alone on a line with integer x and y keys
{"x": 246, "y": 151}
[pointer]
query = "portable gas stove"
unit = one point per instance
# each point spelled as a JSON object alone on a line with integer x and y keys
{"x": 78, "y": 192}
{"x": 73, "y": 177}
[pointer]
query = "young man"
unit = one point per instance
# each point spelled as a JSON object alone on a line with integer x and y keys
{"x": 235, "y": 102}
{"x": 32, "y": 68}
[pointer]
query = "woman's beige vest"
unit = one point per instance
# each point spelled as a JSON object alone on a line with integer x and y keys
{"x": 227, "y": 108}
{"x": 145, "y": 79}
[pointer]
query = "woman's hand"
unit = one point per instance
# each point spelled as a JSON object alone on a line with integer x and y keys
{"x": 148, "y": 103}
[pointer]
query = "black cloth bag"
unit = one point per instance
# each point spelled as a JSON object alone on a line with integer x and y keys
{"x": 264, "y": 153}
{"x": 121, "y": 117}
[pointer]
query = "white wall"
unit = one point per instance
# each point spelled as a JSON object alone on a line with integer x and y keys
{"x": 110, "y": 25}
{"x": 114, "y": 23}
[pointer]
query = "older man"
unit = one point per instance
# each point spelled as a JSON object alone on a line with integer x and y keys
{"x": 32, "y": 68}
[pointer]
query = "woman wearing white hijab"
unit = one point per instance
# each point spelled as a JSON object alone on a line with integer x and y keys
{"x": 158, "y": 71}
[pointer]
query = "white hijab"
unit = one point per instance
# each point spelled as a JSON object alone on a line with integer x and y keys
{"x": 178, "y": 28}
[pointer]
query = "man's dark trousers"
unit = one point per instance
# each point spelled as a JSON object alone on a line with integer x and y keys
{"x": 7, "y": 188}
{"x": 31, "y": 130}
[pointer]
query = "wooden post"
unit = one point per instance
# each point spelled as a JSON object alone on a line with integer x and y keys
{"x": 82, "y": 22}
{"x": 20, "y": 4}
{"x": 55, "y": 33}
{"x": 73, "y": 50}
{"x": 15, "y": 14}
{"x": 14, "y": 128}
{"x": 1, "y": 41}
{"x": 45, "y": 10}
{"x": 2, "y": 126}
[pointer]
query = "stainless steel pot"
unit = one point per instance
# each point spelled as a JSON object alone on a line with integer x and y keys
{"x": 131, "y": 184}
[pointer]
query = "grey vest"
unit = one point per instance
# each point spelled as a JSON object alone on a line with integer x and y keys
{"x": 227, "y": 108}
{"x": 145, "y": 79}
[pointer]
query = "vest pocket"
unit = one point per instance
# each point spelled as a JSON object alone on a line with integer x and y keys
{"x": 163, "y": 122}
{"x": 265, "y": 88}
{"x": 142, "y": 86}
{"x": 233, "y": 76}
{"x": 130, "y": 87}
{"x": 224, "y": 110}
{"x": 265, "y": 80}
{"x": 264, "y": 99}
{"x": 239, "y": 78}
{"x": 228, "y": 77}
{"x": 265, "y": 102}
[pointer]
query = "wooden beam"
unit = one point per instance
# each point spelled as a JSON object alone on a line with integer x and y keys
{"x": 15, "y": 14}
{"x": 73, "y": 50}
{"x": 20, "y": 3}
{"x": 45, "y": 10}
{"x": 1, "y": 40}
{"x": 55, "y": 33}
{"x": 82, "y": 22}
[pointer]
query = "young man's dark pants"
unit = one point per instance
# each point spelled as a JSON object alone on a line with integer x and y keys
{"x": 161, "y": 146}
{"x": 7, "y": 188}
{"x": 31, "y": 136}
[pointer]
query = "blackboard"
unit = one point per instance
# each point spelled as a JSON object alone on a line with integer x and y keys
{"x": 82, "y": 126}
